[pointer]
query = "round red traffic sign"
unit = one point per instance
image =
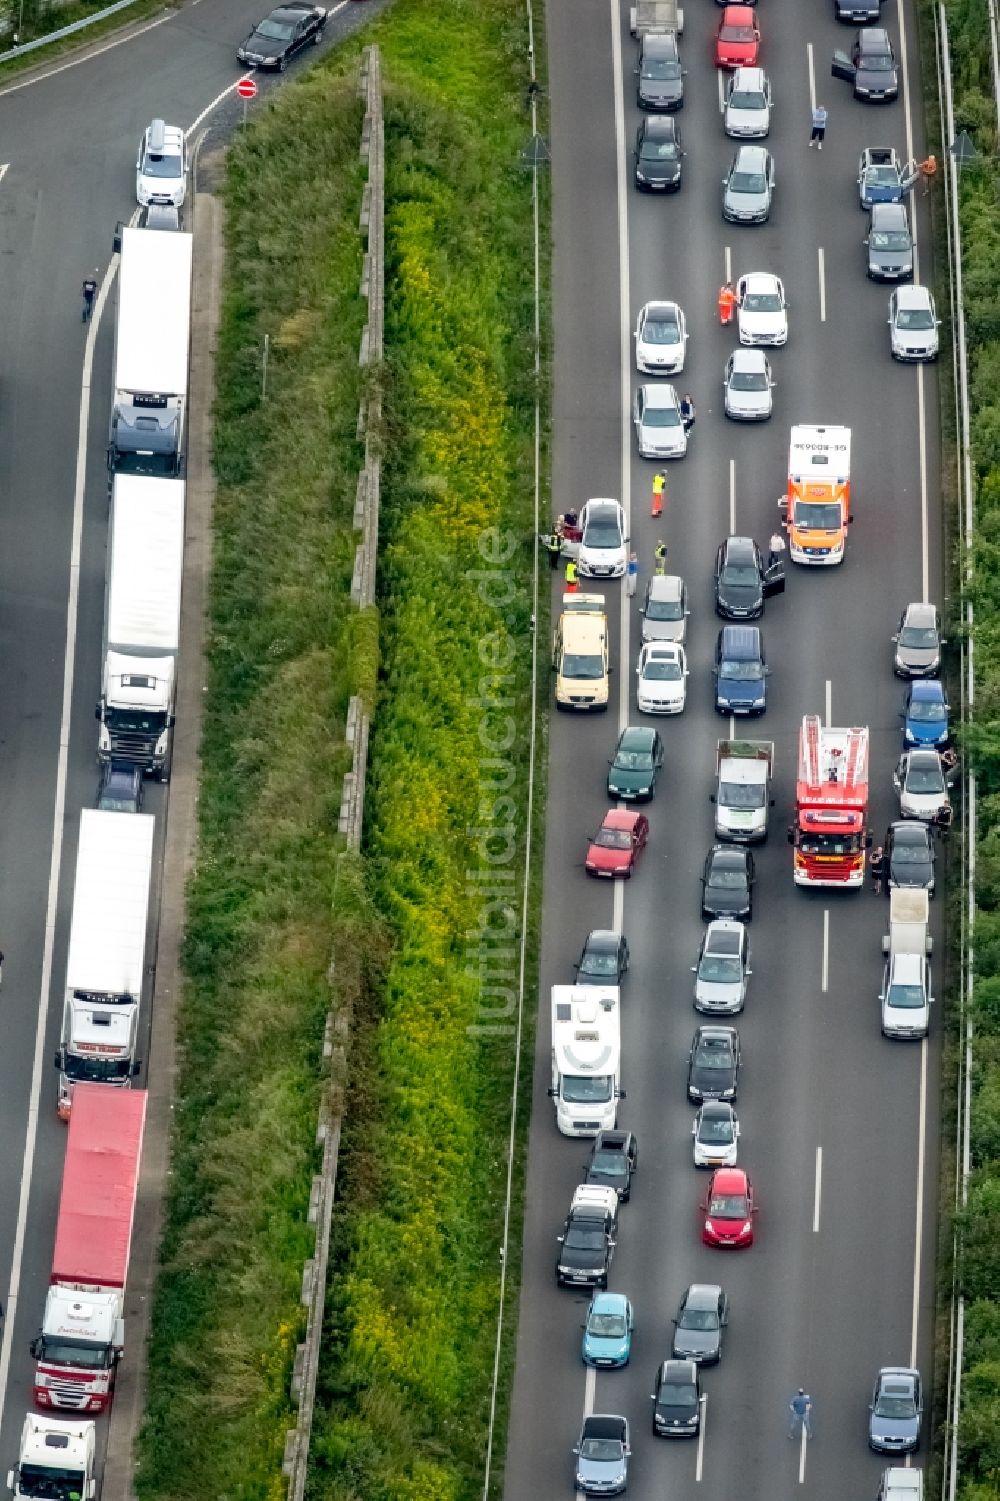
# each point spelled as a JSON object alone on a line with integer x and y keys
{"x": 246, "y": 88}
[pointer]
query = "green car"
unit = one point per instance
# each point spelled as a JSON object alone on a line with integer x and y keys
{"x": 637, "y": 761}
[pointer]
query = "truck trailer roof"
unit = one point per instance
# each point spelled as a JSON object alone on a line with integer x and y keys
{"x": 154, "y": 312}
{"x": 107, "y": 940}
{"x": 100, "y": 1176}
{"x": 146, "y": 564}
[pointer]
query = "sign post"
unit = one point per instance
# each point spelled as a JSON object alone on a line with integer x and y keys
{"x": 247, "y": 90}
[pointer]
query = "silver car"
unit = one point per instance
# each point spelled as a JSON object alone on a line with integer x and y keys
{"x": 748, "y": 188}
{"x": 602, "y": 1455}
{"x": 748, "y": 385}
{"x": 918, "y": 642}
{"x": 665, "y": 611}
{"x": 920, "y": 780}
{"x": 723, "y": 968}
{"x": 748, "y": 104}
{"x": 913, "y": 324}
{"x": 896, "y": 1411}
{"x": 659, "y": 427}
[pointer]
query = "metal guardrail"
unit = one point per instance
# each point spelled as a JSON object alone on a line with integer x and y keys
{"x": 70, "y": 30}
{"x": 304, "y": 1374}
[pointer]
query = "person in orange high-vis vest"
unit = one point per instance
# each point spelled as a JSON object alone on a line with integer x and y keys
{"x": 928, "y": 169}
{"x": 727, "y": 304}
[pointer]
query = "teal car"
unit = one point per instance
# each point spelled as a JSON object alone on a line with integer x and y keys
{"x": 607, "y": 1334}
{"x": 636, "y": 763}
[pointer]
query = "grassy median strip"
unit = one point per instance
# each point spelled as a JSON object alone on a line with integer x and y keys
{"x": 425, "y": 930}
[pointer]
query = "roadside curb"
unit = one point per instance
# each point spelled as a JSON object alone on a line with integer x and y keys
{"x": 179, "y": 852}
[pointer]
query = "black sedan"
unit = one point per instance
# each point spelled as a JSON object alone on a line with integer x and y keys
{"x": 727, "y": 882}
{"x": 277, "y": 38}
{"x": 605, "y": 958}
{"x": 614, "y": 1157}
{"x": 909, "y": 855}
{"x": 699, "y": 1323}
{"x": 742, "y": 583}
{"x": 658, "y": 155}
{"x": 714, "y": 1064}
{"x": 871, "y": 66}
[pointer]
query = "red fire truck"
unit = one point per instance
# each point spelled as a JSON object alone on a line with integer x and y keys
{"x": 830, "y": 833}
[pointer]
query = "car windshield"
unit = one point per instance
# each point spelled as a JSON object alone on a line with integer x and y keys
{"x": 661, "y": 331}
{"x": 599, "y": 964}
{"x": 585, "y": 1238}
{"x": 925, "y": 779}
{"x": 664, "y": 609}
{"x": 736, "y": 33}
{"x": 699, "y": 1318}
{"x": 742, "y": 795}
{"x": 882, "y": 177}
{"x": 726, "y": 877}
{"x": 762, "y": 302}
{"x": 738, "y": 671}
{"x": 889, "y": 1406}
{"x": 715, "y": 1130}
{"x": 747, "y": 99}
{"x": 661, "y": 417}
{"x": 740, "y": 573}
{"x": 627, "y": 760}
{"x": 579, "y": 665}
{"x": 748, "y": 380}
{"x": 910, "y": 854}
{"x": 890, "y": 239}
{"x": 720, "y": 968}
{"x": 818, "y": 516}
{"x": 610, "y": 1164}
{"x": 879, "y": 62}
{"x": 919, "y": 637}
{"x": 915, "y": 319}
{"x": 607, "y": 1326}
{"x": 747, "y": 182}
{"x": 830, "y": 844}
{"x": 586, "y": 1089}
{"x": 904, "y": 998}
{"x": 660, "y": 670}
{"x": 659, "y": 151}
{"x": 278, "y": 31}
{"x": 607, "y": 1449}
{"x": 602, "y": 534}
{"x": 613, "y": 839}
{"x": 713, "y": 1055}
{"x": 661, "y": 68}
{"x": 728, "y": 1206}
{"x": 162, "y": 166}
{"x": 925, "y": 712}
{"x": 678, "y": 1394}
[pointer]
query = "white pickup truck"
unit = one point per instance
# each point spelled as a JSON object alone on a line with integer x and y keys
{"x": 906, "y": 994}
{"x": 742, "y": 795}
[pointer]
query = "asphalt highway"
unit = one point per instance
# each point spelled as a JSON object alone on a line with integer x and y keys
{"x": 839, "y": 1127}
{"x": 69, "y": 134}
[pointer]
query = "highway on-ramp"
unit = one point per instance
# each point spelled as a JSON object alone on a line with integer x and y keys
{"x": 839, "y": 1126}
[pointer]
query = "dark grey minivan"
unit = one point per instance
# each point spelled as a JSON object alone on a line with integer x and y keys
{"x": 889, "y": 243}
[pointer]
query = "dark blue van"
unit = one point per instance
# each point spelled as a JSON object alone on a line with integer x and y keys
{"x": 740, "y": 671}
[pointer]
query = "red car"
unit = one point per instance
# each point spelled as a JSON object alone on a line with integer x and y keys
{"x": 738, "y": 41}
{"x": 615, "y": 847}
{"x": 729, "y": 1209}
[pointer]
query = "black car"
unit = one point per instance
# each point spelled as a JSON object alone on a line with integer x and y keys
{"x": 698, "y": 1325}
{"x": 677, "y": 1400}
{"x": 727, "y": 882}
{"x": 909, "y": 855}
{"x": 636, "y": 764}
{"x": 660, "y": 75}
{"x": 658, "y": 155}
{"x": 605, "y": 958}
{"x": 742, "y": 583}
{"x": 120, "y": 788}
{"x": 586, "y": 1244}
{"x": 281, "y": 34}
{"x": 871, "y": 66}
{"x": 614, "y": 1157}
{"x": 714, "y": 1064}
{"x": 860, "y": 12}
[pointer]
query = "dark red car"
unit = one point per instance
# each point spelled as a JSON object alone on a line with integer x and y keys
{"x": 738, "y": 41}
{"x": 729, "y": 1209}
{"x": 615, "y": 847}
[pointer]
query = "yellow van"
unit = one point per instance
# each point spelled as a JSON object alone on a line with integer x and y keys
{"x": 580, "y": 653}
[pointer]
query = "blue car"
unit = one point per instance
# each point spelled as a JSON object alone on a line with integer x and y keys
{"x": 607, "y": 1334}
{"x": 925, "y": 718}
{"x": 740, "y": 671}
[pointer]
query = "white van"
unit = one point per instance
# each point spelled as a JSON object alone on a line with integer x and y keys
{"x": 161, "y": 166}
{"x": 899, "y": 1484}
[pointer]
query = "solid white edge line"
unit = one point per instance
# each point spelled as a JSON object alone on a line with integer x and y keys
{"x": 58, "y": 816}
{"x": 822, "y": 284}
{"x": 818, "y": 1190}
{"x": 824, "y": 979}
{"x": 699, "y": 1464}
{"x": 27, "y": 83}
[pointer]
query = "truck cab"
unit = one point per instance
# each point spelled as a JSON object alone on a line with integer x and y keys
{"x": 56, "y": 1460}
{"x": 97, "y": 1046}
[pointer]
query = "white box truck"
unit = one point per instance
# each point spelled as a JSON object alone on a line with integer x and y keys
{"x": 56, "y": 1459}
{"x": 107, "y": 952}
{"x": 906, "y": 996}
{"x": 742, "y": 796}
{"x": 142, "y": 620}
{"x": 152, "y": 338}
{"x": 586, "y": 1058}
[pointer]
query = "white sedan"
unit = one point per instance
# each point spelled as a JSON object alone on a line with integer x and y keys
{"x": 716, "y": 1132}
{"x": 660, "y": 339}
{"x": 659, "y": 426}
{"x": 662, "y": 674}
{"x": 761, "y": 309}
{"x": 748, "y": 385}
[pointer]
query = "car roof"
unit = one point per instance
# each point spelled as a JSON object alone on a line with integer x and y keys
{"x": 289, "y": 12}
{"x": 874, "y": 39}
{"x": 920, "y": 614}
{"x": 729, "y": 854}
{"x": 740, "y": 641}
{"x": 702, "y": 1295}
{"x": 665, "y": 651}
{"x": 712, "y": 1030}
{"x": 924, "y": 757}
{"x": 603, "y": 938}
{"x": 660, "y": 125}
{"x": 931, "y": 689}
{"x": 663, "y": 44}
{"x": 636, "y": 735}
{"x": 612, "y": 1139}
{"x": 716, "y": 1109}
{"x": 751, "y": 158}
{"x": 604, "y": 1425}
{"x": 910, "y": 831}
{"x": 749, "y": 359}
{"x": 748, "y": 77}
{"x": 729, "y": 1179}
{"x": 723, "y": 937}
{"x": 601, "y": 506}
{"x": 621, "y": 818}
{"x": 655, "y": 309}
{"x": 760, "y": 281}
{"x": 609, "y": 1302}
{"x": 734, "y": 546}
{"x": 663, "y": 395}
{"x": 913, "y": 296}
{"x": 678, "y": 1370}
{"x": 891, "y": 214}
{"x": 668, "y": 586}
{"x": 904, "y": 1375}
